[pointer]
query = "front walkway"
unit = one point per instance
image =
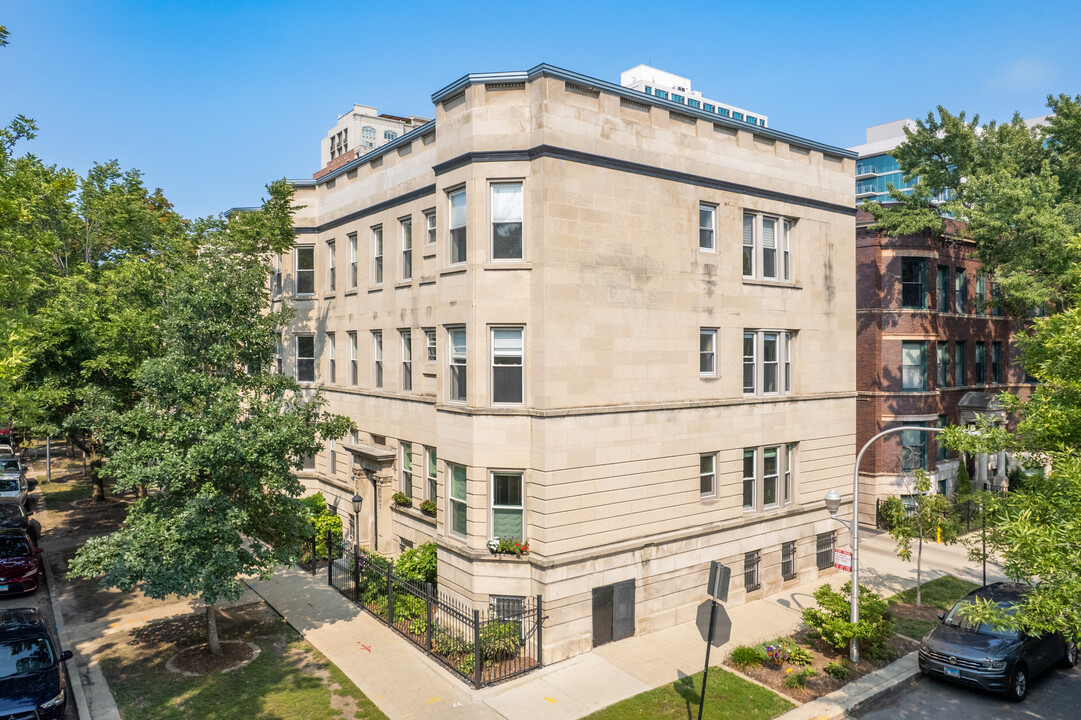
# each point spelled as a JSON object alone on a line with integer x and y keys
{"x": 404, "y": 682}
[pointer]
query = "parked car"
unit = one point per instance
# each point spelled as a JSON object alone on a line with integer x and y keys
{"x": 20, "y": 564}
{"x": 14, "y": 514}
{"x": 996, "y": 660}
{"x": 32, "y": 681}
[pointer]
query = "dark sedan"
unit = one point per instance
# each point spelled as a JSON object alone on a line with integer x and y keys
{"x": 14, "y": 515}
{"x": 997, "y": 660}
{"x": 32, "y": 682}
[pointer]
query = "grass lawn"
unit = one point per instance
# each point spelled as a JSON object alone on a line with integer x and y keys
{"x": 290, "y": 680}
{"x": 728, "y": 697}
{"x": 938, "y": 595}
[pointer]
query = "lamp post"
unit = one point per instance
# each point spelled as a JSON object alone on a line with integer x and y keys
{"x": 833, "y": 502}
{"x": 357, "y": 502}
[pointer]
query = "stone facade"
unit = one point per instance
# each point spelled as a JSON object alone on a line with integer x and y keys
{"x": 888, "y": 319}
{"x": 571, "y": 391}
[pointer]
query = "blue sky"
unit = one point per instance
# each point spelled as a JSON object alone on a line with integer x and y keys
{"x": 212, "y": 100}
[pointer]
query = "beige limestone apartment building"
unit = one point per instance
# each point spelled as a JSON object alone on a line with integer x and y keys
{"x": 574, "y": 313}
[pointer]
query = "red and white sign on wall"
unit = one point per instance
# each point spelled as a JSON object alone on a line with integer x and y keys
{"x": 842, "y": 560}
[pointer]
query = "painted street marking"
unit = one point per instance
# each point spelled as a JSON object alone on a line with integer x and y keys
{"x": 433, "y": 700}
{"x": 551, "y": 700}
{"x": 364, "y": 646}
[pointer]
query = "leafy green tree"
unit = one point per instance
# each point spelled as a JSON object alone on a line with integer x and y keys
{"x": 216, "y": 437}
{"x": 933, "y": 518}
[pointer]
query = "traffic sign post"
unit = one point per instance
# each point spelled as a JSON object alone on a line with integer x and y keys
{"x": 719, "y": 578}
{"x": 842, "y": 560}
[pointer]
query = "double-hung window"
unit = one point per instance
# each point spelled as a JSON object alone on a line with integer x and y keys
{"x": 707, "y": 475}
{"x": 767, "y": 476}
{"x": 941, "y": 451}
{"x": 352, "y": 260}
{"x": 959, "y": 378}
{"x": 407, "y": 360}
{"x": 377, "y": 359}
{"x": 981, "y": 364}
{"x": 707, "y": 352}
{"x": 996, "y": 362}
{"x": 707, "y": 227}
{"x": 429, "y": 344}
{"x": 433, "y": 469}
{"x": 942, "y": 350}
{"x": 332, "y": 371}
{"x": 913, "y": 449}
{"x": 278, "y": 356}
{"x": 305, "y": 269}
{"x": 507, "y": 221}
{"x": 457, "y": 362}
{"x": 377, "y": 255}
{"x": 456, "y": 499}
{"x": 456, "y": 200}
{"x": 353, "y": 370}
{"x": 767, "y": 362}
{"x": 960, "y": 291}
{"x": 507, "y": 508}
{"x": 429, "y": 225}
{"x": 943, "y": 288}
{"x": 981, "y": 294}
{"x": 913, "y": 283}
{"x": 276, "y": 278}
{"x": 305, "y": 358}
{"x": 767, "y": 247}
{"x": 406, "y": 227}
{"x": 913, "y": 366}
{"x": 507, "y": 365}
{"x": 332, "y": 457}
{"x": 331, "y": 267}
{"x": 407, "y": 469}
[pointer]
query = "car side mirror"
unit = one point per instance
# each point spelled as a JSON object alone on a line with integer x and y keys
{"x": 66, "y": 655}
{"x": 942, "y": 617}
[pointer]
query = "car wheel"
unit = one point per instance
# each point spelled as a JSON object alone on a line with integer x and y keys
{"x": 1018, "y": 684}
{"x": 1069, "y": 659}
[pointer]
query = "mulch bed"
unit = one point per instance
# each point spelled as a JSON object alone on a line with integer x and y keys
{"x": 773, "y": 676}
{"x": 198, "y": 660}
{"x": 910, "y": 611}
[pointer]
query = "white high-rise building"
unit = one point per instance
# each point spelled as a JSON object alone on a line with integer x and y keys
{"x": 666, "y": 86}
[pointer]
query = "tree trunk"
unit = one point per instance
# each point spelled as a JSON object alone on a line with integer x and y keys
{"x": 90, "y": 448}
{"x": 212, "y": 630}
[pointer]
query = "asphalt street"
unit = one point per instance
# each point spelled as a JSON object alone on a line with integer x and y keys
{"x": 1055, "y": 695}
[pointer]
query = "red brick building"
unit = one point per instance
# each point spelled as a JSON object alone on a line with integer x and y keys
{"x": 928, "y": 334}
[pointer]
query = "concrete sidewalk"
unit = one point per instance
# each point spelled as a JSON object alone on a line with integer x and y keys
{"x": 404, "y": 682}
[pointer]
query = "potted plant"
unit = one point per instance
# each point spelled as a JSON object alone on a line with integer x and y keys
{"x": 402, "y": 500}
{"x": 508, "y": 545}
{"x": 428, "y": 507}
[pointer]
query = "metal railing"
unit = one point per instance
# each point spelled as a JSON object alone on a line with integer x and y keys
{"x": 482, "y": 647}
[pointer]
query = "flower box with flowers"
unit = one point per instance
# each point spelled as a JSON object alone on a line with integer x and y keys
{"x": 508, "y": 546}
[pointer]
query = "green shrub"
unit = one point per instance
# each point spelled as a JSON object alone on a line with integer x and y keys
{"x": 747, "y": 656}
{"x": 419, "y": 626}
{"x": 500, "y": 639}
{"x": 837, "y": 670}
{"x": 798, "y": 678}
{"x": 407, "y": 607}
{"x": 402, "y": 499}
{"x": 418, "y": 564}
{"x": 831, "y": 618}
{"x": 428, "y": 507}
{"x": 321, "y": 521}
{"x": 448, "y": 643}
{"x": 467, "y": 665}
{"x": 799, "y": 655}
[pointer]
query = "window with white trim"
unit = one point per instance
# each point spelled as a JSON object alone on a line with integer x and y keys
{"x": 331, "y": 266}
{"x": 353, "y": 369}
{"x": 457, "y": 364}
{"x": 377, "y": 359}
{"x": 432, "y": 474}
{"x": 767, "y": 476}
{"x": 707, "y": 229}
{"x": 456, "y": 500}
{"x": 406, "y": 227}
{"x": 377, "y": 255}
{"x": 456, "y": 201}
{"x": 276, "y": 277}
{"x": 913, "y": 366}
{"x": 507, "y": 221}
{"x": 707, "y": 475}
{"x": 278, "y": 355}
{"x": 332, "y": 370}
{"x": 707, "y": 352}
{"x": 767, "y": 247}
{"x": 429, "y": 345}
{"x": 305, "y": 347}
{"x": 407, "y": 469}
{"x": 507, "y": 365}
{"x": 407, "y": 360}
{"x": 767, "y": 362}
{"x": 332, "y": 457}
{"x": 508, "y": 513}
{"x": 305, "y": 269}
{"x": 429, "y": 224}
{"x": 352, "y": 260}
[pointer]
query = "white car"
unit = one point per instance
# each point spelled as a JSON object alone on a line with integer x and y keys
{"x": 13, "y": 482}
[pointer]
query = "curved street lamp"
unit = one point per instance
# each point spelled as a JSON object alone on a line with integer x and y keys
{"x": 833, "y": 502}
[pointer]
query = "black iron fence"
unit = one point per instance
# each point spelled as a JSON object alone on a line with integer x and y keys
{"x": 483, "y": 647}
{"x": 968, "y": 512}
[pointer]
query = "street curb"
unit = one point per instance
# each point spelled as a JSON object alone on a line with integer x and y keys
{"x": 860, "y": 694}
{"x": 76, "y": 686}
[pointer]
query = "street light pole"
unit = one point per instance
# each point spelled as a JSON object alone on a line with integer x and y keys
{"x": 833, "y": 502}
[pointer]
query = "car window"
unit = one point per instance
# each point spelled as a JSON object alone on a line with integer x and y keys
{"x": 7, "y": 485}
{"x": 8, "y": 510}
{"x": 956, "y": 619}
{"x": 9, "y": 464}
{"x": 13, "y": 548}
{"x": 18, "y": 657}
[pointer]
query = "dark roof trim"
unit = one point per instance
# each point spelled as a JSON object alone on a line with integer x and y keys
{"x": 370, "y": 210}
{"x": 545, "y": 70}
{"x": 367, "y": 157}
{"x": 548, "y": 151}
